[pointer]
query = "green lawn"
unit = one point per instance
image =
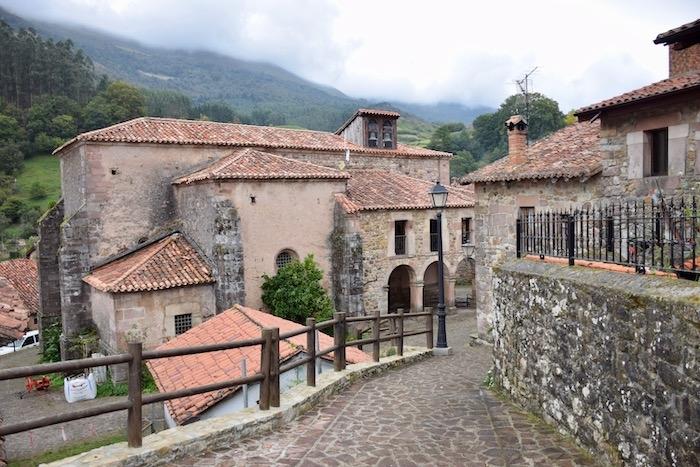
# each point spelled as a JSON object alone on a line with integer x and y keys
{"x": 44, "y": 169}
{"x": 69, "y": 450}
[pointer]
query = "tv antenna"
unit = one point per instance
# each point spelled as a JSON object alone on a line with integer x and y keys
{"x": 524, "y": 85}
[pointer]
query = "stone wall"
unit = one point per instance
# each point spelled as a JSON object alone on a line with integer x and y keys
{"x": 610, "y": 358}
{"x": 47, "y": 262}
{"x": 376, "y": 228}
{"x": 497, "y": 208}
{"x": 624, "y": 147}
{"x": 347, "y": 268}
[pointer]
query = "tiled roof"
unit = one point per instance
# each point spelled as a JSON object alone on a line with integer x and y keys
{"x": 383, "y": 190}
{"x": 667, "y": 86}
{"x": 166, "y": 263}
{"x": 672, "y": 34}
{"x": 19, "y": 297}
{"x": 368, "y": 113}
{"x": 246, "y": 164}
{"x": 196, "y": 132}
{"x": 236, "y": 323}
{"x": 570, "y": 152}
{"x": 24, "y": 277}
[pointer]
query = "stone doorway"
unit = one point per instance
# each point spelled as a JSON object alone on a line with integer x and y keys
{"x": 465, "y": 284}
{"x": 400, "y": 281}
{"x": 430, "y": 285}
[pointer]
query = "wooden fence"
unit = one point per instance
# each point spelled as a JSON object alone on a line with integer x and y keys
{"x": 268, "y": 376}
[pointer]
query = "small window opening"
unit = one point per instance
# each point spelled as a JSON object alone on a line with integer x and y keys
{"x": 658, "y": 140}
{"x": 372, "y": 133}
{"x": 284, "y": 258}
{"x": 388, "y": 135}
{"x": 400, "y": 237}
{"x": 183, "y": 323}
{"x": 433, "y": 235}
{"x": 466, "y": 230}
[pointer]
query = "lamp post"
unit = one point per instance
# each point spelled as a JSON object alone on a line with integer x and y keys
{"x": 438, "y": 196}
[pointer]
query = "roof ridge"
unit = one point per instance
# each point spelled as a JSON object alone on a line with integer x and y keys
{"x": 241, "y": 308}
{"x": 86, "y": 134}
{"x": 212, "y": 122}
{"x": 157, "y": 249}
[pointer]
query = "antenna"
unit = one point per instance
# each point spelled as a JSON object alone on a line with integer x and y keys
{"x": 523, "y": 84}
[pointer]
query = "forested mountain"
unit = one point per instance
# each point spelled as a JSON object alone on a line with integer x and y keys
{"x": 244, "y": 85}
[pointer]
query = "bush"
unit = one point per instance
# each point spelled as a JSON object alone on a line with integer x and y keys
{"x": 11, "y": 157}
{"x": 37, "y": 191}
{"x": 13, "y": 209}
{"x": 51, "y": 338}
{"x": 295, "y": 292}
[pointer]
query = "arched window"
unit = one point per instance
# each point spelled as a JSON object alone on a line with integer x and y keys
{"x": 284, "y": 258}
{"x": 388, "y": 134}
{"x": 372, "y": 133}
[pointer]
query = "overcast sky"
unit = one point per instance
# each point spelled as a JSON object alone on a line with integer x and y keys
{"x": 417, "y": 51}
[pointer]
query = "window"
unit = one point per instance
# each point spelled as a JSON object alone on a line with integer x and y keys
{"x": 284, "y": 258}
{"x": 466, "y": 230}
{"x": 28, "y": 341}
{"x": 658, "y": 152}
{"x": 400, "y": 237}
{"x": 526, "y": 213}
{"x": 372, "y": 133}
{"x": 388, "y": 134}
{"x": 183, "y": 323}
{"x": 433, "y": 235}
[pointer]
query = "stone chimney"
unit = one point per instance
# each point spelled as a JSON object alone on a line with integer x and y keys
{"x": 683, "y": 45}
{"x": 516, "y": 126}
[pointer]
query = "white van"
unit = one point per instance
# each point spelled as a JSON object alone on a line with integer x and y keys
{"x": 30, "y": 339}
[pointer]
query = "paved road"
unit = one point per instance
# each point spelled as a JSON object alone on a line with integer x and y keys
{"x": 435, "y": 412}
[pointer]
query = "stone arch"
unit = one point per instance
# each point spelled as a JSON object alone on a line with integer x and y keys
{"x": 430, "y": 284}
{"x": 465, "y": 283}
{"x": 399, "y": 288}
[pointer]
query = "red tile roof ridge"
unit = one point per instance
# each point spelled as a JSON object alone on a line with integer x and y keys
{"x": 157, "y": 247}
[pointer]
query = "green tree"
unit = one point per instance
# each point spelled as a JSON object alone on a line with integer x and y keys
{"x": 13, "y": 209}
{"x": 118, "y": 103}
{"x": 11, "y": 158}
{"x": 10, "y": 129}
{"x": 160, "y": 103}
{"x": 295, "y": 292}
{"x": 214, "y": 111}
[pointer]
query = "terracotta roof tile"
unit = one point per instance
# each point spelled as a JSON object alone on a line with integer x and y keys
{"x": 671, "y": 85}
{"x": 166, "y": 263}
{"x": 19, "y": 297}
{"x": 570, "y": 152}
{"x": 375, "y": 189}
{"x": 24, "y": 277}
{"x": 196, "y": 132}
{"x": 236, "y": 323}
{"x": 246, "y": 164}
{"x": 672, "y": 35}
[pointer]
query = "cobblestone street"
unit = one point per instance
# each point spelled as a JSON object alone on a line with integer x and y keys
{"x": 435, "y": 412}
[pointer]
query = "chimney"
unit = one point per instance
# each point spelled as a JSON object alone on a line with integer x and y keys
{"x": 516, "y": 126}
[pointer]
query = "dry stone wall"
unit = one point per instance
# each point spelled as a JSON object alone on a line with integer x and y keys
{"x": 610, "y": 358}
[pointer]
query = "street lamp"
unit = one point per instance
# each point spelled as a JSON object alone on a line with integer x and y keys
{"x": 438, "y": 197}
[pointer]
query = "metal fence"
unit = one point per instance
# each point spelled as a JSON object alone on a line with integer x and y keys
{"x": 268, "y": 376}
{"x": 645, "y": 234}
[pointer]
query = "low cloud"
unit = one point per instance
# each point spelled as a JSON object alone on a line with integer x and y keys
{"x": 411, "y": 51}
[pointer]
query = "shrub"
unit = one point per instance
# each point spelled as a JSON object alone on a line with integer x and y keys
{"x": 51, "y": 338}
{"x": 37, "y": 191}
{"x": 295, "y": 292}
{"x": 11, "y": 157}
{"x": 13, "y": 209}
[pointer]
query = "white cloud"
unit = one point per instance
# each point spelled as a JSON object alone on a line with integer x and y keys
{"x": 420, "y": 51}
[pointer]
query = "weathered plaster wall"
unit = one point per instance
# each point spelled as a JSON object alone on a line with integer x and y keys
{"x": 148, "y": 316}
{"x": 624, "y": 148}
{"x": 610, "y": 358}
{"x": 497, "y": 208}
{"x": 376, "y": 228}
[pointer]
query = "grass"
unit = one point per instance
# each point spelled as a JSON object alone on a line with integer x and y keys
{"x": 44, "y": 169}
{"x": 68, "y": 451}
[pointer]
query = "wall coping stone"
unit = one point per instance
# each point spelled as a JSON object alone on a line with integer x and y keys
{"x": 683, "y": 292}
{"x": 165, "y": 447}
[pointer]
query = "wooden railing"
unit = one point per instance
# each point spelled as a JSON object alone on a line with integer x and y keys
{"x": 268, "y": 376}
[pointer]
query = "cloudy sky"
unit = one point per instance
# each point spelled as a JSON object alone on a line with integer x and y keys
{"x": 418, "y": 51}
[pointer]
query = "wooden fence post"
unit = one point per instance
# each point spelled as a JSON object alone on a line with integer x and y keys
{"x": 134, "y": 417}
{"x": 375, "y": 336}
{"x": 275, "y": 369}
{"x": 311, "y": 350}
{"x": 399, "y": 340}
{"x": 429, "y": 328}
{"x": 265, "y": 364}
{"x": 339, "y": 338}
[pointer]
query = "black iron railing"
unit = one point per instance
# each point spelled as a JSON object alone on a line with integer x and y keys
{"x": 400, "y": 244}
{"x": 647, "y": 234}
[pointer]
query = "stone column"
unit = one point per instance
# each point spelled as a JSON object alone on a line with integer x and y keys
{"x": 450, "y": 293}
{"x": 416, "y": 296}
{"x": 384, "y": 300}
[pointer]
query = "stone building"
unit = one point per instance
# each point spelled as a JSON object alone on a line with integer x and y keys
{"x": 145, "y": 198}
{"x": 635, "y": 145}
{"x": 559, "y": 171}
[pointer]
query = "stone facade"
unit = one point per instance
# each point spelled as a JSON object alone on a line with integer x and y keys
{"x": 625, "y": 148}
{"x": 47, "y": 259}
{"x": 496, "y": 211}
{"x": 683, "y": 60}
{"x": 610, "y": 358}
{"x": 147, "y": 317}
{"x": 379, "y": 260}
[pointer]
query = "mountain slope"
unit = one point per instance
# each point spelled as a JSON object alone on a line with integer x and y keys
{"x": 206, "y": 76}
